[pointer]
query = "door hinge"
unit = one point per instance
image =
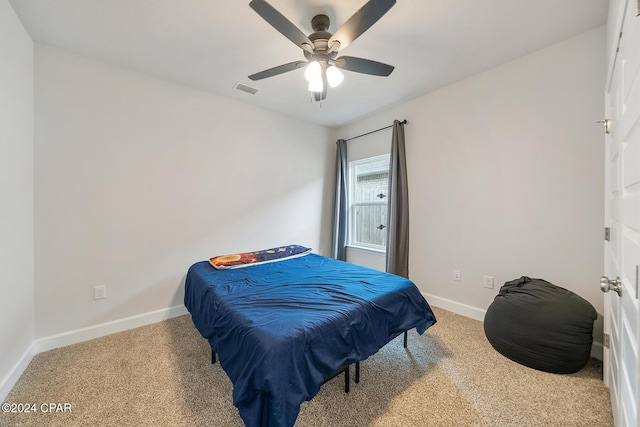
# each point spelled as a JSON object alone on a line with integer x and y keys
{"x": 607, "y": 234}
{"x": 606, "y": 123}
{"x": 606, "y": 340}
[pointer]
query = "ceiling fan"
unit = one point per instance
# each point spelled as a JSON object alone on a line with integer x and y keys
{"x": 321, "y": 48}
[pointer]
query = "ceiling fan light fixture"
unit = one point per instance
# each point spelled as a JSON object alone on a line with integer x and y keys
{"x": 316, "y": 85}
{"x": 313, "y": 72}
{"x": 334, "y": 76}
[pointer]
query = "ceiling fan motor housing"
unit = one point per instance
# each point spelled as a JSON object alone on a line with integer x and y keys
{"x": 320, "y": 39}
{"x": 320, "y": 23}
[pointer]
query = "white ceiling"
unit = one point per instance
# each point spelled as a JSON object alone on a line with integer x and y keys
{"x": 213, "y": 44}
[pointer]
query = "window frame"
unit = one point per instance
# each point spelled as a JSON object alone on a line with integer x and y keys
{"x": 351, "y": 238}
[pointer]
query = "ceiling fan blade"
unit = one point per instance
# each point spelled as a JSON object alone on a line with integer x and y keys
{"x": 278, "y": 70}
{"x": 364, "y": 66}
{"x": 280, "y": 23}
{"x": 360, "y": 22}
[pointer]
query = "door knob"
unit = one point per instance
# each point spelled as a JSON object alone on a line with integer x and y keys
{"x": 607, "y": 285}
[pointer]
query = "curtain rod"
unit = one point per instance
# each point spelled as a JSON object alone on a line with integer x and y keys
{"x": 404, "y": 122}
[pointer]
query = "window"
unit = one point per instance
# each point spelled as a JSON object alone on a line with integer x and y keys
{"x": 368, "y": 196}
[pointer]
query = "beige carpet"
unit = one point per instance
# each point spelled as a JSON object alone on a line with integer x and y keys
{"x": 160, "y": 375}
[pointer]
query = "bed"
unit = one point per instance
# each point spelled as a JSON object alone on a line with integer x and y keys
{"x": 280, "y": 329}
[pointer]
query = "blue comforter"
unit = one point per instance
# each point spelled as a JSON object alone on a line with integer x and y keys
{"x": 281, "y": 329}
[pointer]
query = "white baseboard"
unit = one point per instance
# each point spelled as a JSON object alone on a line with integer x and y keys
{"x": 478, "y": 314}
{"x": 14, "y": 374}
{"x": 108, "y": 328}
{"x": 84, "y": 334}
{"x": 455, "y": 307}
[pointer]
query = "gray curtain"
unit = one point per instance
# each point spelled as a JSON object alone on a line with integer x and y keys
{"x": 398, "y": 210}
{"x": 340, "y": 204}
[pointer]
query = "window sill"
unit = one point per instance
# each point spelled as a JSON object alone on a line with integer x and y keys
{"x": 372, "y": 251}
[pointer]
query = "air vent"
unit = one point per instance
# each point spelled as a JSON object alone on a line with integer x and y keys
{"x": 244, "y": 88}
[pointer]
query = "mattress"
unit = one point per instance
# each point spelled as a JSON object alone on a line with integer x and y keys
{"x": 280, "y": 329}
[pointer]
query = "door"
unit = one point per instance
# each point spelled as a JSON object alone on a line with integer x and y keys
{"x": 622, "y": 214}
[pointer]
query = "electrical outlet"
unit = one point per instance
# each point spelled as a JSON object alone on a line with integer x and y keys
{"x": 456, "y": 275}
{"x": 99, "y": 292}
{"x": 488, "y": 282}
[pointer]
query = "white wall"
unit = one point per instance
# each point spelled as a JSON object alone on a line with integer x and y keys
{"x": 506, "y": 175}
{"x": 16, "y": 196}
{"x": 137, "y": 178}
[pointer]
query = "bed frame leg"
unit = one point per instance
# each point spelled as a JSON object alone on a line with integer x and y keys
{"x": 346, "y": 379}
{"x": 405, "y": 339}
{"x": 357, "y": 372}
{"x": 213, "y": 357}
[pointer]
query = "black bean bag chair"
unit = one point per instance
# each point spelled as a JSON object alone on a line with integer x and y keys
{"x": 541, "y": 325}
